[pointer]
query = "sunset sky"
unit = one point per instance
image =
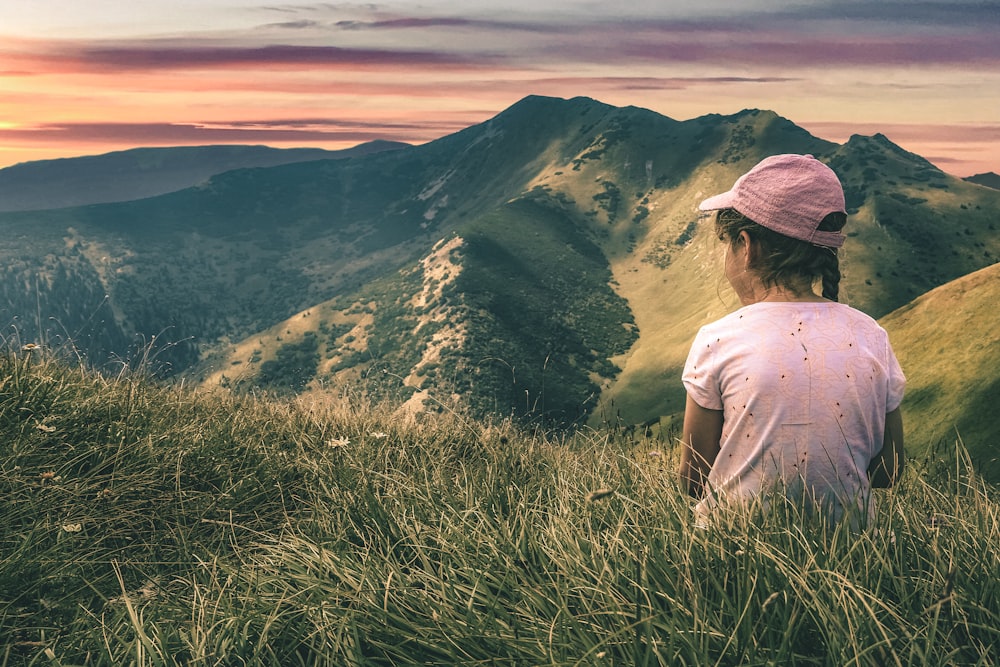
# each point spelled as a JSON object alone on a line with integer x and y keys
{"x": 82, "y": 77}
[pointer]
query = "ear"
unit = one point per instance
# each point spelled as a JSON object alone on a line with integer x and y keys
{"x": 750, "y": 248}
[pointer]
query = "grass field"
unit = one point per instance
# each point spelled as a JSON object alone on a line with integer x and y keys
{"x": 143, "y": 525}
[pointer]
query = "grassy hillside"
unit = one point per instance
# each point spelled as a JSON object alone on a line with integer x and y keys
{"x": 142, "y": 525}
{"x": 949, "y": 347}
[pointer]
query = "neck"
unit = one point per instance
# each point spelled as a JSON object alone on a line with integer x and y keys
{"x": 781, "y": 293}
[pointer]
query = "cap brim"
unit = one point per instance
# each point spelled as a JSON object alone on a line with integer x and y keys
{"x": 725, "y": 200}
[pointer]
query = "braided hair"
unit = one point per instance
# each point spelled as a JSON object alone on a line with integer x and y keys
{"x": 784, "y": 259}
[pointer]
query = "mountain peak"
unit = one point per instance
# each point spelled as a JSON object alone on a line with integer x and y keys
{"x": 534, "y": 104}
{"x": 878, "y": 142}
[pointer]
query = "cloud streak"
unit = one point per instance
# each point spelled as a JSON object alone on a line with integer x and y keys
{"x": 130, "y": 58}
{"x": 301, "y": 131}
{"x": 455, "y": 22}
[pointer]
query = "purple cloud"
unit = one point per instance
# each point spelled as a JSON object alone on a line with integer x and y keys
{"x": 185, "y": 57}
{"x": 789, "y": 50}
{"x": 294, "y": 25}
{"x": 410, "y": 23}
{"x": 972, "y": 133}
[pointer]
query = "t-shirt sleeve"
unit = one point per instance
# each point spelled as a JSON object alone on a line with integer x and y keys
{"x": 701, "y": 379}
{"x": 897, "y": 381}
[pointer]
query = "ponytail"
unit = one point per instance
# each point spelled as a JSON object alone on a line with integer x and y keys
{"x": 829, "y": 269}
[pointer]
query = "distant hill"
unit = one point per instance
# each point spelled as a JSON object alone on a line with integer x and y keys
{"x": 143, "y": 172}
{"x": 549, "y": 263}
{"x": 949, "y": 346}
{"x": 989, "y": 179}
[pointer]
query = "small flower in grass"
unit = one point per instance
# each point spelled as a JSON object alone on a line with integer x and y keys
{"x": 150, "y": 590}
{"x": 600, "y": 654}
{"x": 72, "y": 527}
{"x": 379, "y": 435}
{"x": 337, "y": 443}
{"x": 596, "y": 495}
{"x": 49, "y": 476}
{"x": 103, "y": 493}
{"x": 45, "y": 428}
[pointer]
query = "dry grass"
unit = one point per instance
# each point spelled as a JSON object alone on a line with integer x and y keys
{"x": 150, "y": 526}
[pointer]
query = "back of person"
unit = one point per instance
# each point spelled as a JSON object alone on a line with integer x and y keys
{"x": 804, "y": 389}
{"x": 794, "y": 393}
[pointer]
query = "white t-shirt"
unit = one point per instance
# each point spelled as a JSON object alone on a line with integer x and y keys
{"x": 804, "y": 388}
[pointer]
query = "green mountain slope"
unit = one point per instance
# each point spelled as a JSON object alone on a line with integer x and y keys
{"x": 474, "y": 322}
{"x": 949, "y": 345}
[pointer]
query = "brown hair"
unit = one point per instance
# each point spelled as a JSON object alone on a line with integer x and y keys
{"x": 782, "y": 258}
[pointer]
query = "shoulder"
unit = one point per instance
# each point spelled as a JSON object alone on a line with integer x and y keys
{"x": 854, "y": 316}
{"x": 727, "y": 322}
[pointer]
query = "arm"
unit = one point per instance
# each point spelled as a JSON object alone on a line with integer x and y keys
{"x": 887, "y": 465}
{"x": 699, "y": 446}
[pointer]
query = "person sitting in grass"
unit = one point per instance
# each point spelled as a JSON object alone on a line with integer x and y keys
{"x": 794, "y": 393}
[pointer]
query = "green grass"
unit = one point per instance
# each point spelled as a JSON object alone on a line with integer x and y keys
{"x": 155, "y": 526}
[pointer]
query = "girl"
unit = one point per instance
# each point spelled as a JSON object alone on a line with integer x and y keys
{"x": 793, "y": 393}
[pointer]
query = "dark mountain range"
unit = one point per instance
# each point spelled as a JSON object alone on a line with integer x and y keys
{"x": 989, "y": 179}
{"x": 549, "y": 262}
{"x": 143, "y": 172}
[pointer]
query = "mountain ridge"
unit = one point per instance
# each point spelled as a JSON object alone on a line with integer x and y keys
{"x": 549, "y": 263}
{"x": 144, "y": 172}
{"x": 988, "y": 179}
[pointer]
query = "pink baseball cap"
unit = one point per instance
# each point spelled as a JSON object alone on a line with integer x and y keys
{"x": 788, "y": 194}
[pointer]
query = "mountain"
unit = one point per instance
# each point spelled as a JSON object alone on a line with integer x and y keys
{"x": 944, "y": 340}
{"x": 143, "y": 172}
{"x": 549, "y": 263}
{"x": 989, "y": 179}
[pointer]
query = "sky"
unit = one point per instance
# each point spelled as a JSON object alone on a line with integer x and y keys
{"x": 84, "y": 77}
